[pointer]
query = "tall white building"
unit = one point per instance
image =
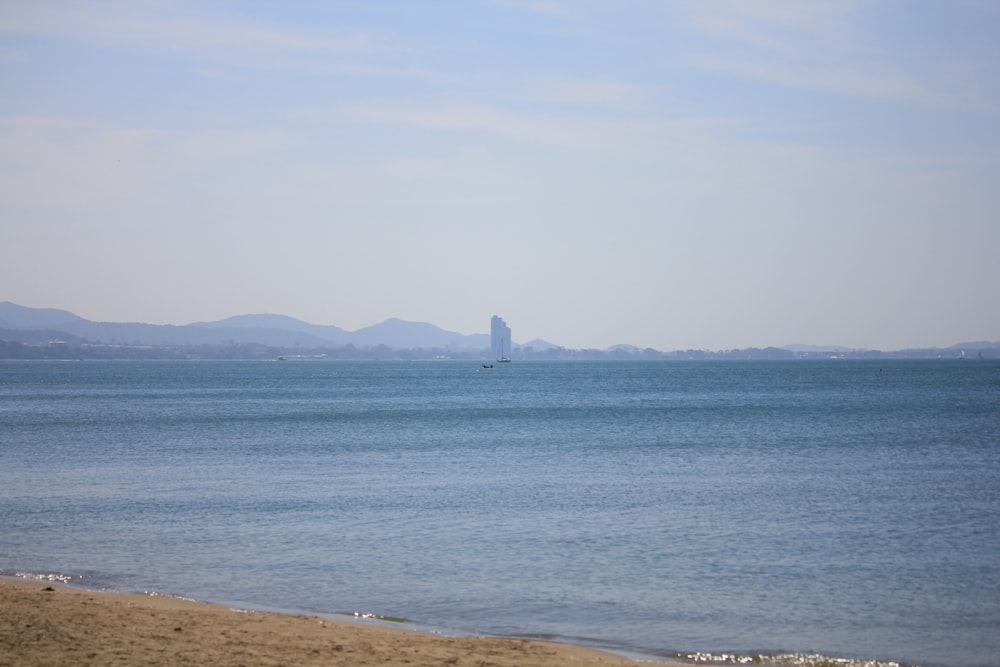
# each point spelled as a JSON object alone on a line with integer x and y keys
{"x": 500, "y": 339}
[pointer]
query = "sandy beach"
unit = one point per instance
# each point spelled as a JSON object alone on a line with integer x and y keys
{"x": 43, "y": 623}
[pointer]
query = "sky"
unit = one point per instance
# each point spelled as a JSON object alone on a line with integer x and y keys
{"x": 679, "y": 174}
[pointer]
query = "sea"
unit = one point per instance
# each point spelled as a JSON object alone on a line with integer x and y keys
{"x": 813, "y": 512}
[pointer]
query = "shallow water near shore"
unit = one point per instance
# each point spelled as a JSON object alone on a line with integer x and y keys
{"x": 844, "y": 509}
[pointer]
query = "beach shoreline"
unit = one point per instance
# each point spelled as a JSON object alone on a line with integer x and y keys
{"x": 49, "y": 623}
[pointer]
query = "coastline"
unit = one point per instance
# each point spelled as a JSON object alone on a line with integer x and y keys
{"x": 48, "y": 623}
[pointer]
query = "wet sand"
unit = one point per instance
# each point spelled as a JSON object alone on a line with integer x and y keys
{"x": 43, "y": 623}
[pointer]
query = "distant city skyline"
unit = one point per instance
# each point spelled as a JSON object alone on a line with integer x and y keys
{"x": 668, "y": 175}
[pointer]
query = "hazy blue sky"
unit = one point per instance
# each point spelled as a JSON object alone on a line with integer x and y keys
{"x": 697, "y": 173}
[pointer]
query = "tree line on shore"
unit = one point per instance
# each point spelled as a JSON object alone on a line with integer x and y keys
{"x": 80, "y": 350}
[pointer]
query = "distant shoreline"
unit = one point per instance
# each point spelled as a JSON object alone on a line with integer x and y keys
{"x": 62, "y": 350}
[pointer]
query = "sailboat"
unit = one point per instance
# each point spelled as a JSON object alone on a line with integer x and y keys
{"x": 500, "y": 339}
{"x": 503, "y": 350}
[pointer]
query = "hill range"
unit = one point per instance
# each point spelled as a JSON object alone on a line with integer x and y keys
{"x": 27, "y": 332}
{"x": 43, "y": 325}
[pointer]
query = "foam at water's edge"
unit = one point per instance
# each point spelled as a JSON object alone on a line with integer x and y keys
{"x": 786, "y": 660}
{"x": 41, "y": 576}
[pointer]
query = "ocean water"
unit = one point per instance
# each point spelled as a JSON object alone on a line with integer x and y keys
{"x": 789, "y": 512}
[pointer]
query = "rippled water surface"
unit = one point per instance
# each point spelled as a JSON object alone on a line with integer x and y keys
{"x": 841, "y": 508}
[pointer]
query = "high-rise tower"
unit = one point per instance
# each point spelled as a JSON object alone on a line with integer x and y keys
{"x": 500, "y": 339}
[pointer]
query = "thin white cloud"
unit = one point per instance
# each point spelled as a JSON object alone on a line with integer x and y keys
{"x": 565, "y": 131}
{"x": 808, "y": 46}
{"x": 872, "y": 82}
{"x": 169, "y": 24}
{"x": 598, "y": 93}
{"x": 53, "y": 163}
{"x": 784, "y": 26}
{"x": 540, "y": 7}
{"x": 465, "y": 117}
{"x": 195, "y": 32}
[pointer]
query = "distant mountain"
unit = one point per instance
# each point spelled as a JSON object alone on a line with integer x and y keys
{"x": 394, "y": 332}
{"x": 263, "y": 321}
{"x": 622, "y": 347}
{"x": 265, "y": 329}
{"x": 398, "y": 333}
{"x": 539, "y": 344}
{"x": 13, "y": 316}
{"x": 976, "y": 345}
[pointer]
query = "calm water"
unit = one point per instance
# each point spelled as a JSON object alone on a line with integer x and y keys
{"x": 841, "y": 508}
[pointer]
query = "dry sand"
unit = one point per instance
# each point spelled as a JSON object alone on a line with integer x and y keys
{"x": 49, "y": 624}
